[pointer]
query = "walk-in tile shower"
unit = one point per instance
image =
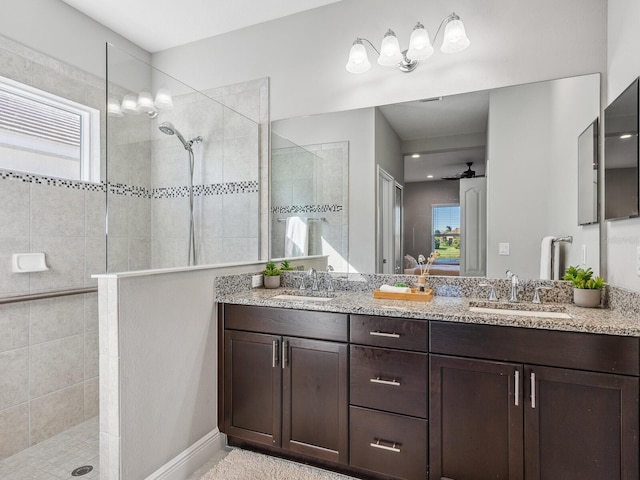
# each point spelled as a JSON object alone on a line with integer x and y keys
{"x": 133, "y": 212}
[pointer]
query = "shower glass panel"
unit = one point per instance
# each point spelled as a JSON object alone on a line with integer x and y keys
{"x": 182, "y": 170}
{"x": 309, "y": 185}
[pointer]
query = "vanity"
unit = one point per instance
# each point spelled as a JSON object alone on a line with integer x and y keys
{"x": 411, "y": 390}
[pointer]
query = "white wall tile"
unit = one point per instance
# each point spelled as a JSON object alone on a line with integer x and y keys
{"x": 15, "y": 201}
{"x": 56, "y": 318}
{"x": 90, "y": 355}
{"x": 14, "y": 425}
{"x": 57, "y": 211}
{"x": 14, "y": 326}
{"x": 56, "y": 365}
{"x": 65, "y": 258}
{"x": 56, "y": 412}
{"x": 13, "y": 282}
{"x": 14, "y": 377}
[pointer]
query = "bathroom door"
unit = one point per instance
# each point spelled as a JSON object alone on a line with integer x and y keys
{"x": 389, "y": 224}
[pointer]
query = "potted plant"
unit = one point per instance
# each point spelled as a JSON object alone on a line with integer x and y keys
{"x": 285, "y": 265}
{"x": 271, "y": 275}
{"x": 586, "y": 288}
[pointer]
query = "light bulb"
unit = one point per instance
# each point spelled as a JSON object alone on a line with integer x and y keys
{"x": 358, "y": 61}
{"x": 130, "y": 104}
{"x": 419, "y": 43}
{"x": 390, "y": 54}
{"x": 163, "y": 100}
{"x": 455, "y": 37}
{"x": 145, "y": 102}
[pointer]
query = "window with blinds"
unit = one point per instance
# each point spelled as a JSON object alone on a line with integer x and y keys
{"x": 446, "y": 233}
{"x": 44, "y": 134}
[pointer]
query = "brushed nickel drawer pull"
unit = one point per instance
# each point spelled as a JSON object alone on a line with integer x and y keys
{"x": 392, "y": 448}
{"x": 517, "y": 389}
{"x": 285, "y": 354}
{"x": 533, "y": 390}
{"x": 385, "y": 382}
{"x": 384, "y": 334}
{"x": 274, "y": 350}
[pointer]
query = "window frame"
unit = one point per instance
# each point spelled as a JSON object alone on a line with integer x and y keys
{"x": 89, "y": 126}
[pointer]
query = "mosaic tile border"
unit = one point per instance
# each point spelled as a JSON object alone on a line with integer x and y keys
{"x": 229, "y": 188}
{"x": 285, "y": 209}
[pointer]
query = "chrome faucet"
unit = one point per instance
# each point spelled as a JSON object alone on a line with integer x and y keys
{"x": 513, "y": 295}
{"x": 314, "y": 277}
{"x": 329, "y": 279}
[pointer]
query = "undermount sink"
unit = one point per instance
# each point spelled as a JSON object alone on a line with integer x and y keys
{"x": 519, "y": 309}
{"x": 302, "y": 298}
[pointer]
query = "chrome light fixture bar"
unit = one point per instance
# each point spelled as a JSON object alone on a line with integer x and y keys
{"x": 420, "y": 47}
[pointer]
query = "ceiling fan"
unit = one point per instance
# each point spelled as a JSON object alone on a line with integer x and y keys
{"x": 468, "y": 173}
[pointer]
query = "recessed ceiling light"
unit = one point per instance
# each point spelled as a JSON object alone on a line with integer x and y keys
{"x": 626, "y": 135}
{"x": 429, "y": 176}
{"x": 415, "y": 155}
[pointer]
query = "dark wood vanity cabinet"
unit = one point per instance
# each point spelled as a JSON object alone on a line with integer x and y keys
{"x": 494, "y": 413}
{"x": 281, "y": 390}
{"x": 388, "y": 396}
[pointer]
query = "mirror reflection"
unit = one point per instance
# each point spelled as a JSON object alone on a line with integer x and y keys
{"x": 621, "y": 153}
{"x": 485, "y": 177}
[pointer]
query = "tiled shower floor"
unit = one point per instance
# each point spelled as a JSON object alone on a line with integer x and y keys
{"x": 57, "y": 457}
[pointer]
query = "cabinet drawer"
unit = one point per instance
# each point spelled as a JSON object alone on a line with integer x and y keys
{"x": 390, "y": 380}
{"x": 390, "y": 332}
{"x": 283, "y": 321}
{"x": 581, "y": 351}
{"x": 389, "y": 444}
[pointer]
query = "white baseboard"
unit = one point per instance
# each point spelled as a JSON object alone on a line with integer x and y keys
{"x": 182, "y": 465}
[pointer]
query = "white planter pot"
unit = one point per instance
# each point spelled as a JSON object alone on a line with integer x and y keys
{"x": 584, "y": 297}
{"x": 271, "y": 281}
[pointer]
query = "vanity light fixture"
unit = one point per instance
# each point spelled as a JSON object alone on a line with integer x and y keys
{"x": 420, "y": 47}
{"x": 143, "y": 102}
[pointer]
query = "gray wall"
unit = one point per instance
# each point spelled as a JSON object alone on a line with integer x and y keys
{"x": 620, "y": 238}
{"x": 388, "y": 148}
{"x": 532, "y": 141}
{"x": 418, "y": 200}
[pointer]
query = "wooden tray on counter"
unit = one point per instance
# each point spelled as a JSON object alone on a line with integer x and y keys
{"x": 415, "y": 295}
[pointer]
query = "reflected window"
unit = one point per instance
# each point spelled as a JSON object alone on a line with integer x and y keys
{"x": 43, "y": 134}
{"x": 446, "y": 233}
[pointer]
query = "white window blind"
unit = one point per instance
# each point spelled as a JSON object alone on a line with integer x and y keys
{"x": 45, "y": 134}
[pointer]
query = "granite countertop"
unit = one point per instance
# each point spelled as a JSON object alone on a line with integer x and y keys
{"x": 450, "y": 309}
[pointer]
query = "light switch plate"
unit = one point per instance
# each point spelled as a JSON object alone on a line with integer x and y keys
{"x": 638, "y": 261}
{"x": 256, "y": 281}
{"x": 584, "y": 254}
{"x": 503, "y": 248}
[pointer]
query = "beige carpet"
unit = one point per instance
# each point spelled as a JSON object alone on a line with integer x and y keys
{"x": 245, "y": 465}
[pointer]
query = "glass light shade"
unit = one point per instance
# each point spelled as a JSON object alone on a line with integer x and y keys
{"x": 145, "y": 102}
{"x": 130, "y": 104}
{"x": 164, "y": 100}
{"x": 113, "y": 108}
{"x": 358, "y": 61}
{"x": 419, "y": 44}
{"x": 455, "y": 37}
{"x": 390, "y": 54}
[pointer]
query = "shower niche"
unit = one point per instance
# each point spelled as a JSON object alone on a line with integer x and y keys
{"x": 183, "y": 169}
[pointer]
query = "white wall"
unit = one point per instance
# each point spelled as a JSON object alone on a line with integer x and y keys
{"x": 56, "y": 29}
{"x": 513, "y": 42}
{"x": 621, "y": 238}
{"x": 388, "y": 148}
{"x": 533, "y": 141}
{"x": 357, "y": 127}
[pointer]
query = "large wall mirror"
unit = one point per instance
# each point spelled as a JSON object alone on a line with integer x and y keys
{"x": 513, "y": 151}
{"x": 621, "y": 155}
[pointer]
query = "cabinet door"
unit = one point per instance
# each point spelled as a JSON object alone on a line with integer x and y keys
{"x": 253, "y": 386}
{"x": 580, "y": 425}
{"x": 315, "y": 404}
{"x": 476, "y": 419}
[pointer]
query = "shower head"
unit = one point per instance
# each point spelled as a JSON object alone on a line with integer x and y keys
{"x": 169, "y": 129}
